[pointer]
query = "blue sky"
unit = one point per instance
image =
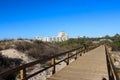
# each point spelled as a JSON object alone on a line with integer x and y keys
{"x": 28, "y": 18}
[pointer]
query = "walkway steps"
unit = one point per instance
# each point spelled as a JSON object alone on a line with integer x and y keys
{"x": 91, "y": 66}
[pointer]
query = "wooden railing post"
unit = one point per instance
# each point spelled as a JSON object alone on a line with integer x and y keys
{"x": 67, "y": 58}
{"x": 53, "y": 63}
{"x": 112, "y": 58}
{"x": 75, "y": 52}
{"x": 84, "y": 50}
{"x": 87, "y": 48}
{"x": 80, "y": 53}
{"x": 23, "y": 74}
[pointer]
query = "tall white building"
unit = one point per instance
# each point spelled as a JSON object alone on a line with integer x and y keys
{"x": 62, "y": 36}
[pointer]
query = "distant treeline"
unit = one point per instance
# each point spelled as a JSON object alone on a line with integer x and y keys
{"x": 115, "y": 44}
{"x": 113, "y": 41}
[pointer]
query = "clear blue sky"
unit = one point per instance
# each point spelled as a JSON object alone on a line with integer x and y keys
{"x": 28, "y": 18}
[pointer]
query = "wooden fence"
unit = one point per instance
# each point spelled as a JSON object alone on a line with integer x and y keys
{"x": 22, "y": 68}
{"x": 112, "y": 72}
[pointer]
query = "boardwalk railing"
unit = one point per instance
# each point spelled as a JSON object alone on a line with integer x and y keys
{"x": 112, "y": 72}
{"x": 67, "y": 55}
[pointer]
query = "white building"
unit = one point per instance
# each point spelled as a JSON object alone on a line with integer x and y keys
{"x": 38, "y": 38}
{"x": 62, "y": 36}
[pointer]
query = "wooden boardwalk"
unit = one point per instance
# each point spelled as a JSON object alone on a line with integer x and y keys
{"x": 91, "y": 66}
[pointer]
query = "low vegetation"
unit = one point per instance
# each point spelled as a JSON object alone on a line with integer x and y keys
{"x": 74, "y": 43}
{"x": 114, "y": 43}
{"x": 35, "y": 48}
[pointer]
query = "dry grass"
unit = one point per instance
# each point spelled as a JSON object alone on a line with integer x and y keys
{"x": 34, "y": 48}
{"x": 6, "y": 44}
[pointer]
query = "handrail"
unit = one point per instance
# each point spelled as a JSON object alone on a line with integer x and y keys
{"x": 112, "y": 72}
{"x": 22, "y": 68}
